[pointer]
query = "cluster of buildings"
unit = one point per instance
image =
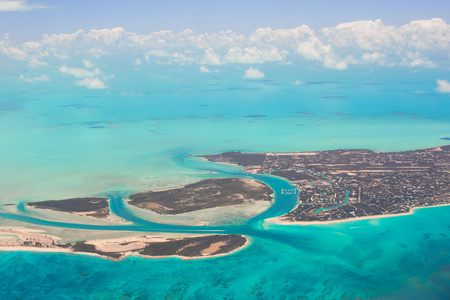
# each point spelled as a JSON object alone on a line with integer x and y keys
{"x": 340, "y": 184}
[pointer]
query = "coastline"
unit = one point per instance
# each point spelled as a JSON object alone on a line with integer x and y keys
{"x": 125, "y": 253}
{"x": 36, "y": 249}
{"x": 280, "y": 221}
{"x": 230, "y": 164}
{"x": 247, "y": 243}
{"x": 54, "y": 250}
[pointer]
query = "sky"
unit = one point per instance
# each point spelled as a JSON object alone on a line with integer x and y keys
{"x": 29, "y": 19}
{"x": 81, "y": 39}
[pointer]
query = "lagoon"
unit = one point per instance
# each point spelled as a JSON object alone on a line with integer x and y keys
{"x": 65, "y": 142}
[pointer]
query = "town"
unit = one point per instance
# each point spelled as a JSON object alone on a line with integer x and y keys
{"x": 344, "y": 184}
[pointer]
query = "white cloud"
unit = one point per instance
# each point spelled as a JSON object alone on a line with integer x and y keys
{"x": 426, "y": 34}
{"x": 14, "y": 53}
{"x": 159, "y": 53}
{"x": 204, "y": 69}
{"x": 97, "y": 53}
{"x": 137, "y": 62}
{"x": 254, "y": 55}
{"x": 31, "y": 46}
{"x": 365, "y": 35}
{"x": 286, "y": 37}
{"x": 210, "y": 57}
{"x": 374, "y": 57}
{"x": 34, "y": 79}
{"x": 443, "y": 86}
{"x": 107, "y": 36}
{"x": 88, "y": 64}
{"x": 316, "y": 50}
{"x": 253, "y": 73}
{"x": 393, "y": 44}
{"x": 298, "y": 82}
{"x": 423, "y": 61}
{"x": 312, "y": 49}
{"x": 414, "y": 59}
{"x": 333, "y": 63}
{"x": 79, "y": 72}
{"x": 90, "y": 78}
{"x": 19, "y": 5}
{"x": 91, "y": 83}
{"x": 34, "y": 63}
{"x": 360, "y": 42}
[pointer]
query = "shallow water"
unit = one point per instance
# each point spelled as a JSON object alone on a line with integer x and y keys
{"x": 60, "y": 141}
{"x": 393, "y": 258}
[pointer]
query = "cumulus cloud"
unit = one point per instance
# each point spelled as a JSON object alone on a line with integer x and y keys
{"x": 19, "y": 5}
{"x": 316, "y": 50}
{"x": 365, "y": 35}
{"x": 34, "y": 63}
{"x": 88, "y": 64}
{"x": 204, "y": 69}
{"x": 137, "y": 62}
{"x": 210, "y": 57}
{"x": 253, "y": 73}
{"x": 254, "y": 55}
{"x": 420, "y": 43}
{"x": 414, "y": 59}
{"x": 392, "y": 44}
{"x": 374, "y": 57}
{"x": 34, "y": 79}
{"x": 443, "y": 86}
{"x": 97, "y": 52}
{"x": 91, "y": 79}
{"x": 91, "y": 83}
{"x": 79, "y": 72}
{"x": 14, "y": 53}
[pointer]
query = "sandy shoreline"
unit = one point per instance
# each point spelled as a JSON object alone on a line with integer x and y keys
{"x": 100, "y": 243}
{"x": 280, "y": 221}
{"x": 54, "y": 250}
{"x": 34, "y": 249}
{"x": 247, "y": 243}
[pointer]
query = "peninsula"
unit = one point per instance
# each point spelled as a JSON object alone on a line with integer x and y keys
{"x": 352, "y": 183}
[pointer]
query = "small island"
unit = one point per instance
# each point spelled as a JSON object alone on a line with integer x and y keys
{"x": 97, "y": 207}
{"x": 208, "y": 193}
{"x": 185, "y": 247}
{"x": 345, "y": 184}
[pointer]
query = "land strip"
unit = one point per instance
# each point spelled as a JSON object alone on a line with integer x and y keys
{"x": 353, "y": 183}
{"x": 97, "y": 207}
{"x": 192, "y": 247}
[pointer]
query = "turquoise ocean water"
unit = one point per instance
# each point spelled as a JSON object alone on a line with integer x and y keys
{"x": 60, "y": 140}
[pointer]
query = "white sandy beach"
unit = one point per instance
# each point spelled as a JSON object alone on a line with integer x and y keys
{"x": 283, "y": 221}
{"x": 125, "y": 245}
